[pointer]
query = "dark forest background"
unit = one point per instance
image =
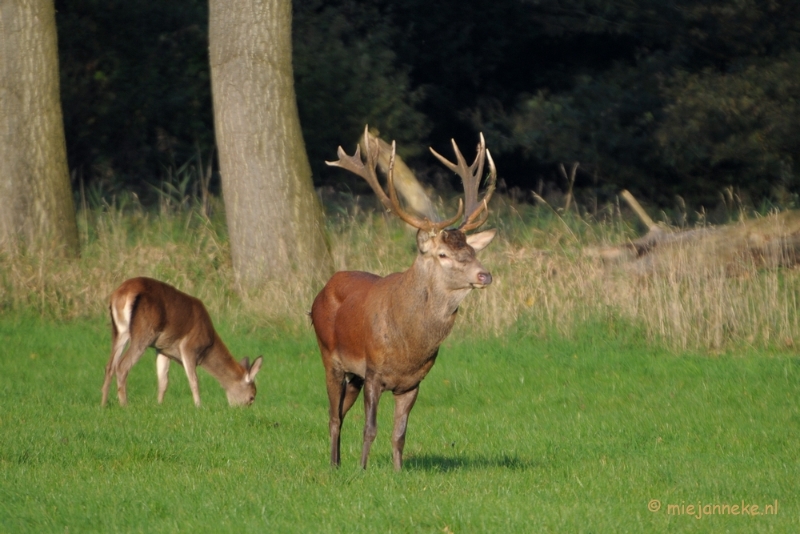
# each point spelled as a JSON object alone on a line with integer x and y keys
{"x": 686, "y": 98}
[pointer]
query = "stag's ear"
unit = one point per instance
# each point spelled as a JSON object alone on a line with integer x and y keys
{"x": 424, "y": 241}
{"x": 481, "y": 240}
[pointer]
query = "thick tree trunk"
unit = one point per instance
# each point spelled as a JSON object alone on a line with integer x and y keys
{"x": 36, "y": 205}
{"x": 274, "y": 218}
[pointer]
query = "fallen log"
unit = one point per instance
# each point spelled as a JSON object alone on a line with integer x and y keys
{"x": 762, "y": 242}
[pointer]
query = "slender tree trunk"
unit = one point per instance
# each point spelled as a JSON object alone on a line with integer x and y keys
{"x": 36, "y": 205}
{"x": 275, "y": 221}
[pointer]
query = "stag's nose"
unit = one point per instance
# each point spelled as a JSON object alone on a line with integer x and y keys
{"x": 484, "y": 278}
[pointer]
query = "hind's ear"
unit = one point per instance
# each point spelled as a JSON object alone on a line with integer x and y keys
{"x": 245, "y": 363}
{"x": 254, "y": 369}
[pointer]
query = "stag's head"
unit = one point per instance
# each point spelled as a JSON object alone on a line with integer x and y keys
{"x": 448, "y": 254}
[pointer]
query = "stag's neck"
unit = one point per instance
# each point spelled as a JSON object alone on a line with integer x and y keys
{"x": 431, "y": 307}
{"x": 220, "y": 364}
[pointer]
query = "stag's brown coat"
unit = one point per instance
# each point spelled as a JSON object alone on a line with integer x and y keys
{"x": 383, "y": 333}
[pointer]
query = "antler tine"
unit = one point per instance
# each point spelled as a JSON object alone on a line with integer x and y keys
{"x": 471, "y": 180}
{"x": 469, "y": 222}
{"x": 476, "y": 175}
{"x": 355, "y": 165}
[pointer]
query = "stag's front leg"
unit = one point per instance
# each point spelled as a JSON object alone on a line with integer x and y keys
{"x": 372, "y": 394}
{"x": 402, "y": 407}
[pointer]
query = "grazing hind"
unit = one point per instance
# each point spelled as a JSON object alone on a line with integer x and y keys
{"x": 148, "y": 313}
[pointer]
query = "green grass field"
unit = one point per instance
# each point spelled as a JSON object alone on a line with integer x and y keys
{"x": 513, "y": 434}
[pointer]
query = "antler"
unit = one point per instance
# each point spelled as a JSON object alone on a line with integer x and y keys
{"x": 471, "y": 179}
{"x": 355, "y": 165}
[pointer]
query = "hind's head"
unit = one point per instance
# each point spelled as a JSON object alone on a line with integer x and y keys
{"x": 243, "y": 391}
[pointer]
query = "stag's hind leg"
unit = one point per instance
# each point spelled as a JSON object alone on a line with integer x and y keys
{"x": 342, "y": 393}
{"x": 352, "y": 388}
{"x": 336, "y": 385}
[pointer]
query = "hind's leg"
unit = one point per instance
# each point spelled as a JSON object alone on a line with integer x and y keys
{"x": 117, "y": 345}
{"x": 189, "y": 360}
{"x": 162, "y": 369}
{"x": 128, "y": 360}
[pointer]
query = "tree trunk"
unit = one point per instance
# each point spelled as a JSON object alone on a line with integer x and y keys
{"x": 36, "y": 205}
{"x": 275, "y": 221}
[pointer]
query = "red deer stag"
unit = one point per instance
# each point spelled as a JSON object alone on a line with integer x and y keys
{"x": 149, "y": 313}
{"x": 383, "y": 333}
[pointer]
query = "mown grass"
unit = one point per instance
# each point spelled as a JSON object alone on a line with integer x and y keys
{"x": 511, "y": 434}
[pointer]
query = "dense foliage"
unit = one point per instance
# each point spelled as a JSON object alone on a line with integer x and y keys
{"x": 135, "y": 87}
{"x": 681, "y": 98}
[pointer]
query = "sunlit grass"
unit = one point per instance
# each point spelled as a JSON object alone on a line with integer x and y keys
{"x": 513, "y": 434}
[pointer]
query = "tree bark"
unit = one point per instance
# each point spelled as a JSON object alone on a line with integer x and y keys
{"x": 275, "y": 221}
{"x": 36, "y": 205}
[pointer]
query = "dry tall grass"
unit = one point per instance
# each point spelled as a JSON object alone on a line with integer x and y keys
{"x": 543, "y": 282}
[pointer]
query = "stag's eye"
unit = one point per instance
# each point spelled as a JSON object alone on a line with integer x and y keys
{"x": 442, "y": 255}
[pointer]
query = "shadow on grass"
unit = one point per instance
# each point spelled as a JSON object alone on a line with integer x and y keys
{"x": 438, "y": 462}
